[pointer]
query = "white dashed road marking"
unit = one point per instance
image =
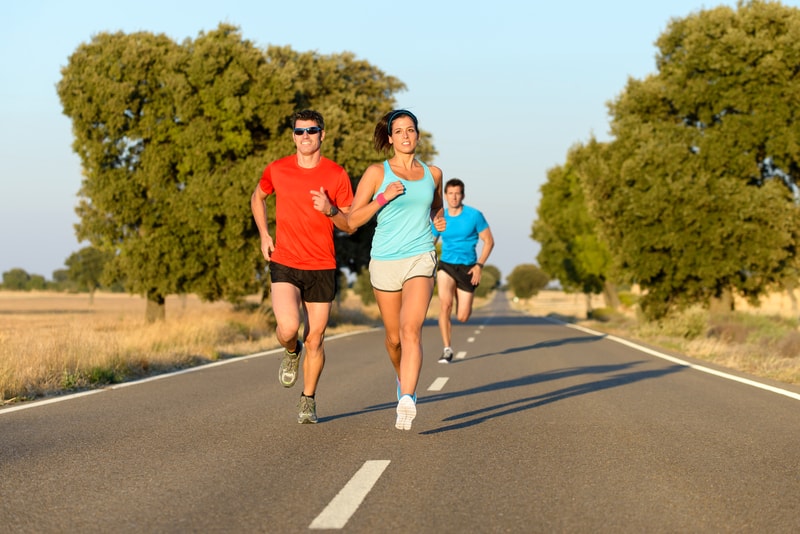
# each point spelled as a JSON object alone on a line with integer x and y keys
{"x": 347, "y": 501}
{"x": 460, "y": 355}
{"x": 438, "y": 384}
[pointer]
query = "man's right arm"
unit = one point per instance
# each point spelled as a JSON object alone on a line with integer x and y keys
{"x": 258, "y": 206}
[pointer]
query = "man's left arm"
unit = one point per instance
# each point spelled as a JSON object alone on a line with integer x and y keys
{"x": 488, "y": 244}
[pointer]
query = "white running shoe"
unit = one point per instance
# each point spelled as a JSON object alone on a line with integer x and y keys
{"x": 406, "y": 412}
{"x": 290, "y": 363}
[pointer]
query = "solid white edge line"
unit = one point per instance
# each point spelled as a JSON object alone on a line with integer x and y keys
{"x": 438, "y": 384}
{"x": 721, "y": 374}
{"x": 61, "y": 398}
{"x": 350, "y": 497}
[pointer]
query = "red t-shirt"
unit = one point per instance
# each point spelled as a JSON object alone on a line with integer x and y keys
{"x": 303, "y": 235}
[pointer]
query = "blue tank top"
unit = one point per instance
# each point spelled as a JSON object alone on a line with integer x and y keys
{"x": 404, "y": 224}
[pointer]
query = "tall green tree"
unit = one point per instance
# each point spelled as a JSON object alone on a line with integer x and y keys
{"x": 696, "y": 194}
{"x": 572, "y": 250}
{"x": 173, "y": 138}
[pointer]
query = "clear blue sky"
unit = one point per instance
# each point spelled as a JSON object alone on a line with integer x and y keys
{"x": 505, "y": 87}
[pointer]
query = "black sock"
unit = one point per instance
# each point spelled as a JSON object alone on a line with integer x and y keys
{"x": 307, "y": 396}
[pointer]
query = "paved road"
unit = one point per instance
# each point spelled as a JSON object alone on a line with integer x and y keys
{"x": 535, "y": 427}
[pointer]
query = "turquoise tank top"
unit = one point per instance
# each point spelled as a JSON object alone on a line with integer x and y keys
{"x": 404, "y": 224}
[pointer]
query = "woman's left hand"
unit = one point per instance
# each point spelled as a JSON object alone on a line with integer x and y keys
{"x": 439, "y": 223}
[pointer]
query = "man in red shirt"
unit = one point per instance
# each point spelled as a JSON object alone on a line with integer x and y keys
{"x": 312, "y": 194}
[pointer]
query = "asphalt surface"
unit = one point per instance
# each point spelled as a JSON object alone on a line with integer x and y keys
{"x": 534, "y": 427}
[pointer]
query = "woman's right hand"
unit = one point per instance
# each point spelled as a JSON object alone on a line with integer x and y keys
{"x": 394, "y": 190}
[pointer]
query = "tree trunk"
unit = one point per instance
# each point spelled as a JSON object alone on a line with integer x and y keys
{"x": 155, "y": 310}
{"x": 722, "y": 303}
{"x": 790, "y": 285}
{"x": 611, "y": 295}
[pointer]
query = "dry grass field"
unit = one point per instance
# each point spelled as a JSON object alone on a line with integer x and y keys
{"x": 52, "y": 343}
{"x": 56, "y": 342}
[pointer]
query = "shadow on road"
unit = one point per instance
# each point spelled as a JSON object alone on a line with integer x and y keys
{"x": 540, "y": 345}
{"x": 475, "y": 417}
{"x": 619, "y": 378}
{"x": 620, "y": 374}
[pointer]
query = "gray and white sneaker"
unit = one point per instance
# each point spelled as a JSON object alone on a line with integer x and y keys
{"x": 447, "y": 355}
{"x": 307, "y": 410}
{"x": 287, "y": 374}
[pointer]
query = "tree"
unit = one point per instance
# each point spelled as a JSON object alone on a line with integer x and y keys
{"x": 696, "y": 194}
{"x": 37, "y": 282}
{"x": 16, "y": 280}
{"x": 572, "y": 250}
{"x": 173, "y": 138}
{"x": 61, "y": 281}
{"x": 526, "y": 280}
{"x": 496, "y": 274}
{"x": 85, "y": 269}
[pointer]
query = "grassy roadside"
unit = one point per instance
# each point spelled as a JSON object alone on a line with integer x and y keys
{"x": 53, "y": 343}
{"x": 763, "y": 342}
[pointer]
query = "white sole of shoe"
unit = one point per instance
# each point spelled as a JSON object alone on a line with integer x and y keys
{"x": 406, "y": 412}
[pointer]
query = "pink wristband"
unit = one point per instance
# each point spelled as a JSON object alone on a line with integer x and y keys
{"x": 381, "y": 199}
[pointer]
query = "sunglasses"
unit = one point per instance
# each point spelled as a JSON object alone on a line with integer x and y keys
{"x": 312, "y": 130}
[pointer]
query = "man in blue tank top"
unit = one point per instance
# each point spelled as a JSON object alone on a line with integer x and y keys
{"x": 459, "y": 268}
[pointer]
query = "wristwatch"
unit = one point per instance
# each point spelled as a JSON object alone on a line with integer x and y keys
{"x": 334, "y": 211}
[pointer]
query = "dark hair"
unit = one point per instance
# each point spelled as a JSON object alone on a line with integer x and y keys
{"x": 454, "y": 182}
{"x": 383, "y": 130}
{"x": 308, "y": 115}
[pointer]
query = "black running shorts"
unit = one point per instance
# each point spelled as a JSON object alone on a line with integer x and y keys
{"x": 314, "y": 286}
{"x": 459, "y": 273}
